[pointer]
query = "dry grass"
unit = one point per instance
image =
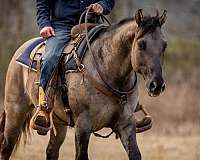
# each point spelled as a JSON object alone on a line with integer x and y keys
{"x": 153, "y": 147}
{"x": 177, "y": 111}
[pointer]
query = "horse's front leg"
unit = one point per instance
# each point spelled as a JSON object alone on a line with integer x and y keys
{"x": 82, "y": 136}
{"x": 127, "y": 133}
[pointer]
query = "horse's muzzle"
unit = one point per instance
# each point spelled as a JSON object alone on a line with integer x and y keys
{"x": 155, "y": 87}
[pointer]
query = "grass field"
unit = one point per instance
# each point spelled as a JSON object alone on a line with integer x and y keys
{"x": 153, "y": 147}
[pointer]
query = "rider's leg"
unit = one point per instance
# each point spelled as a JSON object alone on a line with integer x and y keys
{"x": 53, "y": 51}
{"x": 51, "y": 57}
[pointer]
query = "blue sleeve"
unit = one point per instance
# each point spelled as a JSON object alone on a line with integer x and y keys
{"x": 43, "y": 13}
{"x": 107, "y": 5}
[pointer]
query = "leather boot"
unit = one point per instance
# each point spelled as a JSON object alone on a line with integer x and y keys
{"x": 41, "y": 119}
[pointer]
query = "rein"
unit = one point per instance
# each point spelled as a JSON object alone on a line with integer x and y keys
{"x": 122, "y": 95}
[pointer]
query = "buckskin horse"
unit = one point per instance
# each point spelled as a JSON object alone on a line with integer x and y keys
{"x": 132, "y": 46}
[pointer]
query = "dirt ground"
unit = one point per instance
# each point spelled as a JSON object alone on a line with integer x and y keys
{"x": 153, "y": 147}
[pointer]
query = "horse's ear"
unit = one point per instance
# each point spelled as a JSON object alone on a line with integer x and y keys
{"x": 163, "y": 18}
{"x": 139, "y": 17}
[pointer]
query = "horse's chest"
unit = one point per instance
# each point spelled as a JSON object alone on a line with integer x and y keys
{"x": 83, "y": 97}
{"x": 80, "y": 90}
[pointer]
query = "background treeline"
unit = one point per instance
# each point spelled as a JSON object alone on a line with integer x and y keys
{"x": 182, "y": 30}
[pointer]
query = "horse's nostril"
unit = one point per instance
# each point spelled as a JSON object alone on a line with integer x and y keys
{"x": 153, "y": 86}
{"x": 163, "y": 87}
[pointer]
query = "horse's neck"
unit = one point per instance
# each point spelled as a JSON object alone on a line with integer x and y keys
{"x": 115, "y": 53}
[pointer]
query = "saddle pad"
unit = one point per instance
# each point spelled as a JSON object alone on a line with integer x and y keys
{"x": 24, "y": 58}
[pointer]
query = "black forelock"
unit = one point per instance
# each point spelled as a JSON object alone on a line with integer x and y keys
{"x": 149, "y": 24}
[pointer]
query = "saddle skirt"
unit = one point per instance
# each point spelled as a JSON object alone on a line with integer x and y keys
{"x": 31, "y": 56}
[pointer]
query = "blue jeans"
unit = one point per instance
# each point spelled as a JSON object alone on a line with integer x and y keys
{"x": 53, "y": 51}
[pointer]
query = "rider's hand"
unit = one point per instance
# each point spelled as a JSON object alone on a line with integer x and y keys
{"x": 96, "y": 8}
{"x": 47, "y": 32}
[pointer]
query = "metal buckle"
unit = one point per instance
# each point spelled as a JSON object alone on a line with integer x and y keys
{"x": 67, "y": 110}
{"x": 81, "y": 67}
{"x": 75, "y": 55}
{"x": 44, "y": 107}
{"x": 123, "y": 99}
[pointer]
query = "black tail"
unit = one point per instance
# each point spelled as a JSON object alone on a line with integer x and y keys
{"x": 2, "y": 127}
{"x": 25, "y": 130}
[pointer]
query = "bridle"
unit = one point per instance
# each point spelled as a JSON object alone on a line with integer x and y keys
{"x": 120, "y": 95}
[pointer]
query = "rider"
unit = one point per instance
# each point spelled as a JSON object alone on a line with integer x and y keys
{"x": 55, "y": 19}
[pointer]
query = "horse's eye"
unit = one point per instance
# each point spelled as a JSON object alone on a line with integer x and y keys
{"x": 142, "y": 45}
{"x": 164, "y": 46}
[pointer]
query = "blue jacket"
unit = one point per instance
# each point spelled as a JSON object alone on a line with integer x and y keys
{"x": 66, "y": 11}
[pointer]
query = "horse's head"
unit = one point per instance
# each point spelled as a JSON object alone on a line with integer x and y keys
{"x": 148, "y": 51}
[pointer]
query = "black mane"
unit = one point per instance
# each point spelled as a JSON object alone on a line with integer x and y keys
{"x": 120, "y": 23}
{"x": 149, "y": 24}
{"x": 125, "y": 20}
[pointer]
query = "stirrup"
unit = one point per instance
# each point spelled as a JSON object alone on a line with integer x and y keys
{"x": 41, "y": 119}
{"x": 41, "y": 122}
{"x": 144, "y": 124}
